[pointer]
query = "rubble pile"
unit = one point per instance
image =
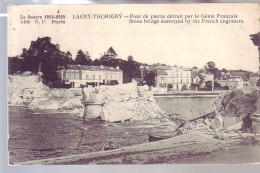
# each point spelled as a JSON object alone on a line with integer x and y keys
{"x": 255, "y": 98}
{"x": 197, "y": 125}
{"x": 232, "y": 111}
{"x": 29, "y": 91}
{"x": 20, "y": 87}
{"x": 237, "y": 103}
{"x": 126, "y": 101}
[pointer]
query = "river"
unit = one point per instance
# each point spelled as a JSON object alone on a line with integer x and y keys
{"x": 48, "y": 135}
{"x": 38, "y": 136}
{"x": 188, "y": 107}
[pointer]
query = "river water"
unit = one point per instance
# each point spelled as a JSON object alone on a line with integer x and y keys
{"x": 48, "y": 135}
{"x": 188, "y": 107}
{"x": 38, "y": 136}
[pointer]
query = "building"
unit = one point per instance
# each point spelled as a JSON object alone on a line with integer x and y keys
{"x": 206, "y": 77}
{"x": 232, "y": 83}
{"x": 231, "y": 74}
{"x": 199, "y": 78}
{"x": 77, "y": 75}
{"x": 161, "y": 79}
{"x": 253, "y": 79}
{"x": 234, "y": 78}
{"x": 195, "y": 78}
{"x": 178, "y": 77}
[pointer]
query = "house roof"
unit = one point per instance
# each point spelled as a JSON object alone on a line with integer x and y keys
{"x": 240, "y": 73}
{"x": 162, "y": 68}
{"x": 254, "y": 75}
{"x": 92, "y": 68}
{"x": 185, "y": 69}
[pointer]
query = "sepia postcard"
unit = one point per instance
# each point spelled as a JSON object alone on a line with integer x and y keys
{"x": 134, "y": 84}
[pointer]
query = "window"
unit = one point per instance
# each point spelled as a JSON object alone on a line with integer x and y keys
{"x": 94, "y": 77}
{"x": 76, "y": 75}
{"x": 87, "y": 76}
{"x": 176, "y": 74}
{"x": 187, "y": 81}
{"x": 181, "y": 80}
{"x": 99, "y": 77}
{"x": 68, "y": 75}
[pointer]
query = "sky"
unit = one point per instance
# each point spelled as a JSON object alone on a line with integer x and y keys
{"x": 187, "y": 45}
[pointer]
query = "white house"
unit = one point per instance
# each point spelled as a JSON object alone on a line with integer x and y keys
{"x": 179, "y": 77}
{"x": 77, "y": 75}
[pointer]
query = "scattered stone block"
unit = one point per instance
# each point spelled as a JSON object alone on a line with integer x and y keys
{"x": 207, "y": 122}
{"x": 216, "y": 124}
{"x": 232, "y": 123}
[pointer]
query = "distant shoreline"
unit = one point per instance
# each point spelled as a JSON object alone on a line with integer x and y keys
{"x": 196, "y": 94}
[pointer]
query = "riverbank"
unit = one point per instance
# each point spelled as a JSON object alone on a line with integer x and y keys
{"x": 173, "y": 150}
{"x": 189, "y": 93}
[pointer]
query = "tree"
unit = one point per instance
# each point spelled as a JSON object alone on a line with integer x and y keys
{"x": 82, "y": 59}
{"x": 149, "y": 77}
{"x": 258, "y": 83}
{"x": 68, "y": 59}
{"x": 108, "y": 58}
{"x": 184, "y": 87}
{"x": 109, "y": 55}
{"x": 131, "y": 69}
{"x": 15, "y": 64}
{"x": 216, "y": 84}
{"x": 208, "y": 85}
{"x": 211, "y": 67}
{"x": 169, "y": 86}
{"x": 43, "y": 52}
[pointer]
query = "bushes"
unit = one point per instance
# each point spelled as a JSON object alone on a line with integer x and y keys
{"x": 258, "y": 83}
